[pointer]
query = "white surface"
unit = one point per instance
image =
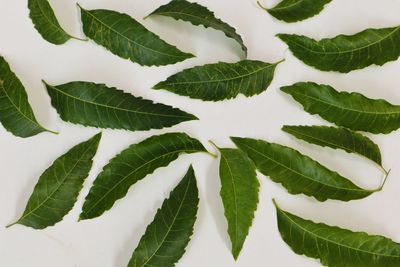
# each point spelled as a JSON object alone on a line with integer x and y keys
{"x": 109, "y": 240}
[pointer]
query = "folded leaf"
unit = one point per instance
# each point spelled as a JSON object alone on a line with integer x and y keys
{"x": 215, "y": 82}
{"x": 46, "y": 23}
{"x": 239, "y": 193}
{"x": 166, "y": 238}
{"x": 296, "y": 10}
{"x": 337, "y": 138}
{"x": 16, "y": 114}
{"x": 127, "y": 38}
{"x": 198, "y": 15}
{"x": 132, "y": 165}
{"x": 58, "y": 187}
{"x": 334, "y": 246}
{"x": 96, "y": 105}
{"x": 345, "y": 53}
{"x": 350, "y": 110}
{"x": 298, "y": 173}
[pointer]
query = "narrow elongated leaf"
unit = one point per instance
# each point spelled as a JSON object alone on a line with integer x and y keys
{"x": 350, "y": 110}
{"x": 198, "y": 15}
{"x": 96, "y": 105}
{"x": 46, "y": 23}
{"x": 16, "y": 114}
{"x": 215, "y": 82}
{"x": 239, "y": 193}
{"x": 338, "y": 138}
{"x": 296, "y": 10}
{"x": 334, "y": 246}
{"x": 125, "y": 37}
{"x": 166, "y": 238}
{"x": 298, "y": 173}
{"x": 345, "y": 53}
{"x": 58, "y": 187}
{"x": 132, "y": 165}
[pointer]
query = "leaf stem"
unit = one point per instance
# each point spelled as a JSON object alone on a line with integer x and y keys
{"x": 384, "y": 179}
{"x": 11, "y": 224}
{"x": 260, "y": 5}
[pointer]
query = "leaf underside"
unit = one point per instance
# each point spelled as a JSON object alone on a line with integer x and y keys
{"x": 166, "y": 238}
{"x": 345, "y": 53}
{"x": 334, "y": 246}
{"x": 198, "y": 15}
{"x": 337, "y": 138}
{"x": 298, "y": 173}
{"x": 46, "y": 23}
{"x": 125, "y": 37}
{"x": 58, "y": 187}
{"x": 297, "y": 10}
{"x": 16, "y": 114}
{"x": 96, "y": 105}
{"x": 215, "y": 82}
{"x": 239, "y": 194}
{"x": 132, "y": 165}
{"x": 350, "y": 110}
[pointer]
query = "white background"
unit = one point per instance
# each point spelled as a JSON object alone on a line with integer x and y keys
{"x": 109, "y": 240}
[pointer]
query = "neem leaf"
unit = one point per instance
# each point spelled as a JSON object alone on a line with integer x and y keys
{"x": 334, "y": 246}
{"x": 239, "y": 193}
{"x": 215, "y": 82}
{"x": 125, "y": 37}
{"x": 46, "y": 23}
{"x": 345, "y": 53}
{"x": 132, "y": 165}
{"x": 58, "y": 187}
{"x": 166, "y": 238}
{"x": 198, "y": 15}
{"x": 298, "y": 173}
{"x": 296, "y": 10}
{"x": 338, "y": 138}
{"x": 16, "y": 114}
{"x": 97, "y": 105}
{"x": 350, "y": 110}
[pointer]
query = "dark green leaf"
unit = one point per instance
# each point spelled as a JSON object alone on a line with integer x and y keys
{"x": 338, "y": 138}
{"x": 96, "y": 105}
{"x": 334, "y": 246}
{"x": 298, "y": 173}
{"x": 198, "y": 15}
{"x": 16, "y": 114}
{"x": 214, "y": 82}
{"x": 46, "y": 23}
{"x": 58, "y": 187}
{"x": 239, "y": 193}
{"x": 132, "y": 165}
{"x": 350, "y": 110}
{"x": 345, "y": 53}
{"x": 166, "y": 238}
{"x": 127, "y": 38}
{"x": 296, "y": 10}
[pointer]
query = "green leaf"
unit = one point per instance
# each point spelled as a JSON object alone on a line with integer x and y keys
{"x": 345, "y": 53}
{"x": 97, "y": 105}
{"x": 16, "y": 114}
{"x": 338, "y": 138}
{"x": 59, "y": 186}
{"x": 46, "y": 23}
{"x": 239, "y": 193}
{"x": 198, "y": 15}
{"x": 132, "y": 165}
{"x": 334, "y": 246}
{"x": 350, "y": 110}
{"x": 166, "y": 238}
{"x": 215, "y": 82}
{"x": 296, "y": 10}
{"x": 298, "y": 173}
{"x": 127, "y": 38}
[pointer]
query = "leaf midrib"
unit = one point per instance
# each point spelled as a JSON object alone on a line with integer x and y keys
{"x": 286, "y": 7}
{"x": 117, "y": 108}
{"x": 333, "y": 242}
{"x": 51, "y": 21}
